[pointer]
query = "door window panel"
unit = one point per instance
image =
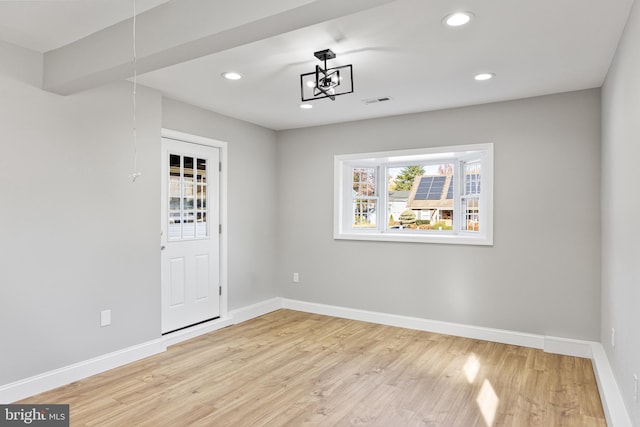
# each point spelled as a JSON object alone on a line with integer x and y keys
{"x": 187, "y": 198}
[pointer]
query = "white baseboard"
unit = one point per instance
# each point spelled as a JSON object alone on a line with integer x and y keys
{"x": 614, "y": 408}
{"x": 565, "y": 346}
{"x": 447, "y": 328}
{"x": 568, "y": 346}
{"x": 243, "y": 314}
{"x": 40, "y": 383}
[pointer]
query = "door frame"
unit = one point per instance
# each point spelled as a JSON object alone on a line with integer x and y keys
{"x": 222, "y": 146}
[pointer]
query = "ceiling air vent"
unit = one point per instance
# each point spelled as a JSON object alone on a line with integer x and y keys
{"x": 376, "y": 100}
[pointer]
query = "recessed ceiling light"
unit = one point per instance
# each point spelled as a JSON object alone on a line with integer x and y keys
{"x": 306, "y": 106}
{"x": 231, "y": 75}
{"x": 458, "y": 19}
{"x": 484, "y": 76}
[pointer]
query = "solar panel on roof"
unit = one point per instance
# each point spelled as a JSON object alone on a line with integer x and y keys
{"x": 435, "y": 192}
{"x": 450, "y": 190}
{"x": 425, "y": 184}
{"x": 430, "y": 188}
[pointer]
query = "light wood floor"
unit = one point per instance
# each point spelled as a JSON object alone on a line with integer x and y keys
{"x": 299, "y": 369}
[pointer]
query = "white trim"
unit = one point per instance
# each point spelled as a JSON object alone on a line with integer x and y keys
{"x": 189, "y": 137}
{"x": 568, "y": 346}
{"x": 224, "y": 254}
{"x": 243, "y": 314}
{"x": 445, "y": 239}
{"x": 557, "y": 345}
{"x": 421, "y": 154}
{"x": 420, "y": 324}
{"x": 58, "y": 377}
{"x": 614, "y": 408}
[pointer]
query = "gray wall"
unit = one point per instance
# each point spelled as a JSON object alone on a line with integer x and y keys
{"x": 251, "y": 200}
{"x": 77, "y": 236}
{"x": 541, "y": 276}
{"x": 620, "y": 208}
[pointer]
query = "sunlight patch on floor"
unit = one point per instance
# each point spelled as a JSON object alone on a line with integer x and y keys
{"x": 472, "y": 367}
{"x": 487, "y": 402}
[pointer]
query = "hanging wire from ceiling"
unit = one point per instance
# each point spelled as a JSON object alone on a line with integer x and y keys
{"x": 135, "y": 173}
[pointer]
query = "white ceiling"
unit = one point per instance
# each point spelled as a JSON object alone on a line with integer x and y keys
{"x": 43, "y": 25}
{"x": 399, "y": 50}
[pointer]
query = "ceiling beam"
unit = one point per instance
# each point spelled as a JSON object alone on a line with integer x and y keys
{"x": 180, "y": 31}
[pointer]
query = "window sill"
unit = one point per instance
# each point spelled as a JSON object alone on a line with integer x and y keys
{"x": 451, "y": 239}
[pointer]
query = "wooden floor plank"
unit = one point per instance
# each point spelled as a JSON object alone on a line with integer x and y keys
{"x": 290, "y": 368}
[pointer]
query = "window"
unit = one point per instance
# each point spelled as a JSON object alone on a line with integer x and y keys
{"x": 187, "y": 198}
{"x": 364, "y": 197}
{"x": 430, "y": 195}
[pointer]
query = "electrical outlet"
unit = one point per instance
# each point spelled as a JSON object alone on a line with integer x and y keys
{"x": 296, "y": 278}
{"x": 105, "y": 317}
{"x": 613, "y": 337}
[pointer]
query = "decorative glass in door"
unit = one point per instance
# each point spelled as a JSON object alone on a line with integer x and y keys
{"x": 187, "y": 198}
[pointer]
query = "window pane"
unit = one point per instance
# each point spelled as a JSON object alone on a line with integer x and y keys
{"x": 472, "y": 178}
{"x": 202, "y": 171}
{"x": 174, "y": 165}
{"x": 364, "y": 213}
{"x": 202, "y": 197}
{"x": 188, "y": 196}
{"x": 174, "y": 226}
{"x": 364, "y": 181}
{"x": 188, "y": 225}
{"x": 420, "y": 197}
{"x": 471, "y": 198}
{"x": 188, "y": 168}
{"x": 174, "y": 194}
{"x": 201, "y": 224}
{"x": 174, "y": 203}
{"x": 471, "y": 214}
{"x": 174, "y": 188}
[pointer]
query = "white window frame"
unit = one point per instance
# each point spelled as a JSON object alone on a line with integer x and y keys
{"x": 343, "y": 194}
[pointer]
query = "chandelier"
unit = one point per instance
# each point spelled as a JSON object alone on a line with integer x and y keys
{"x": 326, "y": 82}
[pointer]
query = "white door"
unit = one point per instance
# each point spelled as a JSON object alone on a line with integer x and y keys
{"x": 190, "y": 239}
